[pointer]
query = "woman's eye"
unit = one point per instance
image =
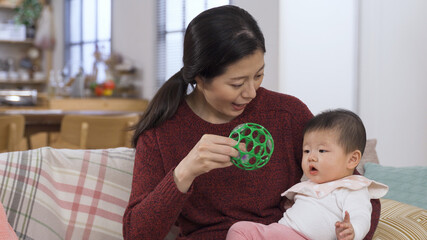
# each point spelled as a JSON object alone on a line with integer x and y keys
{"x": 236, "y": 85}
{"x": 259, "y": 76}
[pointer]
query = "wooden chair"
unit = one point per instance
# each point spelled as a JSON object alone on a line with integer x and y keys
{"x": 12, "y": 133}
{"x": 95, "y": 131}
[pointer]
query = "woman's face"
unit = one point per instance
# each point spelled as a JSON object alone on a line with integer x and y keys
{"x": 227, "y": 95}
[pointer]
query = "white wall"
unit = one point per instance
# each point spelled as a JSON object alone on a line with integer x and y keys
{"x": 318, "y": 52}
{"x": 393, "y": 78}
{"x": 391, "y": 70}
{"x": 267, "y": 16}
{"x": 134, "y": 37}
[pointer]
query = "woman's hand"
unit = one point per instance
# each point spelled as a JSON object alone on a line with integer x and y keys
{"x": 211, "y": 152}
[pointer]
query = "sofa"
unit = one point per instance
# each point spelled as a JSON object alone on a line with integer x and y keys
{"x": 52, "y": 194}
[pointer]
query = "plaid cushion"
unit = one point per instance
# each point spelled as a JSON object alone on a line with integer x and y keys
{"x": 52, "y": 193}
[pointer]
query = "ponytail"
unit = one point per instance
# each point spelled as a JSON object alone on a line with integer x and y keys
{"x": 163, "y": 106}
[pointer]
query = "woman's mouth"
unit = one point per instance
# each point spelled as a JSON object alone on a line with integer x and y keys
{"x": 239, "y": 107}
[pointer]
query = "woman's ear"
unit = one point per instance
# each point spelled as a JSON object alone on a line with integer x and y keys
{"x": 199, "y": 82}
{"x": 354, "y": 159}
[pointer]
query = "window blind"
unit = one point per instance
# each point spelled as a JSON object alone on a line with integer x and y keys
{"x": 173, "y": 16}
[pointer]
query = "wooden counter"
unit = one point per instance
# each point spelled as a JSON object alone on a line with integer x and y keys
{"x": 78, "y": 104}
{"x": 106, "y": 104}
{"x": 55, "y": 109}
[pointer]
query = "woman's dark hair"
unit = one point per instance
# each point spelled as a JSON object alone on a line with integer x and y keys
{"x": 349, "y": 126}
{"x": 213, "y": 40}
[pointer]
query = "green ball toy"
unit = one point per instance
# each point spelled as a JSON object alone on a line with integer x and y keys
{"x": 259, "y": 146}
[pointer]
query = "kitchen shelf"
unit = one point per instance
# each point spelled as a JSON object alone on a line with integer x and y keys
{"x": 16, "y": 50}
{"x": 21, "y": 82}
{"x": 7, "y": 5}
{"x": 28, "y": 41}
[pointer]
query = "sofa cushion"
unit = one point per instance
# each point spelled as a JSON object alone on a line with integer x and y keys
{"x": 401, "y": 221}
{"x": 52, "y": 193}
{"x": 406, "y": 184}
{"x": 369, "y": 155}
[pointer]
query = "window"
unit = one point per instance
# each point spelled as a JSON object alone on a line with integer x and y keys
{"x": 88, "y": 26}
{"x": 173, "y": 16}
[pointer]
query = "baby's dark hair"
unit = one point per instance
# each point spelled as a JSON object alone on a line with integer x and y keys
{"x": 349, "y": 126}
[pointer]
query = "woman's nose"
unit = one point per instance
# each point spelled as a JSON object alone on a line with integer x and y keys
{"x": 250, "y": 90}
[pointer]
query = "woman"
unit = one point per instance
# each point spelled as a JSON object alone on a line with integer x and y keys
{"x": 182, "y": 173}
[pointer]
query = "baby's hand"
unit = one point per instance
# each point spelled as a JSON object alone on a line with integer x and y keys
{"x": 344, "y": 230}
{"x": 288, "y": 203}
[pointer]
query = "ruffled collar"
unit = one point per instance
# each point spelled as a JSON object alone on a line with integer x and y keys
{"x": 353, "y": 182}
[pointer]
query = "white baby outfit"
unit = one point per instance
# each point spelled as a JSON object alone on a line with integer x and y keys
{"x": 318, "y": 207}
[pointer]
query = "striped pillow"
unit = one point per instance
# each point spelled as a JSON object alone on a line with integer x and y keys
{"x": 401, "y": 221}
{"x": 52, "y": 193}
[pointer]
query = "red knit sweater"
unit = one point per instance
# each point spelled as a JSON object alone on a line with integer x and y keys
{"x": 223, "y": 196}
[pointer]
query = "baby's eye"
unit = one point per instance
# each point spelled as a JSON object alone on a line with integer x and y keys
{"x": 322, "y": 151}
{"x": 305, "y": 151}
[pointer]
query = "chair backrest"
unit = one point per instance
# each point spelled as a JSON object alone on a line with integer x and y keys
{"x": 95, "y": 131}
{"x": 11, "y": 132}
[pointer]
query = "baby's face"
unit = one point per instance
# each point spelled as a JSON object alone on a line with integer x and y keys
{"x": 323, "y": 159}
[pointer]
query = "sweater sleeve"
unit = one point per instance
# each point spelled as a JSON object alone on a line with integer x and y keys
{"x": 155, "y": 202}
{"x": 375, "y": 218}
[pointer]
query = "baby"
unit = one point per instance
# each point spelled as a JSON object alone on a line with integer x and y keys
{"x": 333, "y": 203}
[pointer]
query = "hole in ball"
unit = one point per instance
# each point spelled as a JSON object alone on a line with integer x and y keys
{"x": 234, "y": 136}
{"x": 247, "y": 132}
{"x": 261, "y": 138}
{"x": 257, "y": 149}
{"x": 249, "y": 145}
{"x": 255, "y": 134}
{"x": 252, "y": 161}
